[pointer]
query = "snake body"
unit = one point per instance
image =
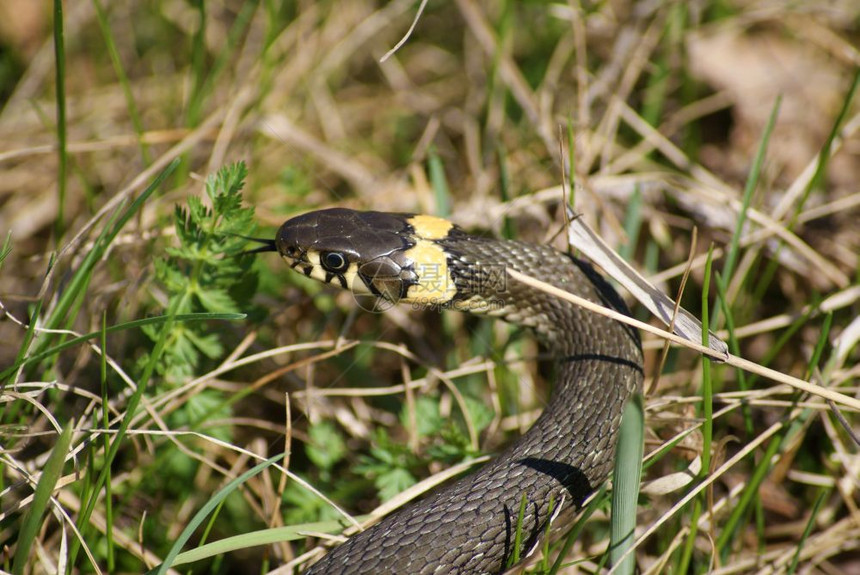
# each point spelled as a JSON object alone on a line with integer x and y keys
{"x": 469, "y": 527}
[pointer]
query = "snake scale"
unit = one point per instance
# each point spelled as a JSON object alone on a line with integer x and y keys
{"x": 469, "y": 526}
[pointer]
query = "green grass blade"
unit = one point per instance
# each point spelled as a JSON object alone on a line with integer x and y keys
{"x": 237, "y": 30}
{"x": 735, "y": 349}
{"x": 514, "y": 557}
{"x": 819, "y": 501}
{"x": 824, "y": 153}
{"x": 133, "y": 402}
{"x": 790, "y": 428}
{"x": 625, "y": 485}
{"x": 571, "y": 164}
{"x": 543, "y": 564}
{"x": 731, "y": 528}
{"x": 707, "y": 387}
{"x": 21, "y": 358}
{"x": 204, "y": 511}
{"x": 577, "y": 529}
{"x": 130, "y": 103}
{"x": 749, "y": 188}
{"x": 62, "y": 152}
{"x": 508, "y": 231}
{"x": 767, "y": 276}
{"x": 198, "y": 65}
{"x": 256, "y": 538}
{"x": 83, "y": 274}
{"x": 188, "y": 317}
{"x": 106, "y": 445}
{"x": 823, "y": 340}
{"x": 632, "y": 224}
{"x": 690, "y": 540}
{"x": 81, "y": 278}
{"x": 707, "y": 422}
{"x": 7, "y": 248}
{"x": 33, "y": 518}
{"x": 439, "y": 183}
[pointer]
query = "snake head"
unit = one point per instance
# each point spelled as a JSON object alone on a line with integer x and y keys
{"x": 375, "y": 253}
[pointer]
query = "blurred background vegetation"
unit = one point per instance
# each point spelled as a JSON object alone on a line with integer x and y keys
{"x": 657, "y": 111}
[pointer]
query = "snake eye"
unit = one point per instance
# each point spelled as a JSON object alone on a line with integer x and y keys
{"x": 334, "y": 262}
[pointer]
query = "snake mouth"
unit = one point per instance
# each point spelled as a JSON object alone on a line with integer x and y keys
{"x": 300, "y": 262}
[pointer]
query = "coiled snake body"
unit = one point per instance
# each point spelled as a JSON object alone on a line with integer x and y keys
{"x": 469, "y": 527}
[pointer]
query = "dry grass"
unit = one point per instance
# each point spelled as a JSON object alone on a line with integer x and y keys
{"x": 667, "y": 105}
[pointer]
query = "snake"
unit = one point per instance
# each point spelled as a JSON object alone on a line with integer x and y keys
{"x": 482, "y": 522}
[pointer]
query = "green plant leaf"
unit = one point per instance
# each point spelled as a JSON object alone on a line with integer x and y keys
{"x": 216, "y": 300}
{"x": 326, "y": 446}
{"x": 427, "y": 416}
{"x": 393, "y": 482}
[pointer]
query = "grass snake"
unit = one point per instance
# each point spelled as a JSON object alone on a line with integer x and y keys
{"x": 469, "y": 526}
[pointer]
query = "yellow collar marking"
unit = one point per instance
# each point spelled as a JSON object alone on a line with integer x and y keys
{"x": 435, "y": 285}
{"x": 430, "y": 227}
